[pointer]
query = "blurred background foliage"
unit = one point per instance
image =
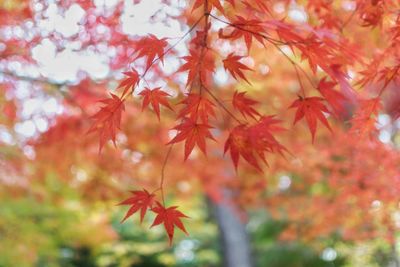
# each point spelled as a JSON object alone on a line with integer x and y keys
{"x": 71, "y": 233}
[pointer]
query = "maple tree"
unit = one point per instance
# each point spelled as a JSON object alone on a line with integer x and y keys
{"x": 246, "y": 83}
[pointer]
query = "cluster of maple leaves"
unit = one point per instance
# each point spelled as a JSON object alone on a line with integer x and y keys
{"x": 144, "y": 201}
{"x": 249, "y": 139}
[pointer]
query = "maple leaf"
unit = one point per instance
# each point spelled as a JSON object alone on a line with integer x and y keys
{"x": 151, "y": 47}
{"x": 211, "y": 4}
{"x": 371, "y": 13}
{"x": 364, "y": 119}
{"x": 312, "y": 109}
{"x": 232, "y": 64}
{"x": 335, "y": 99}
{"x": 193, "y": 133}
{"x": 389, "y": 74}
{"x": 337, "y": 74}
{"x": 238, "y": 144}
{"x": 197, "y": 63}
{"x": 261, "y": 136}
{"x": 129, "y": 82}
{"x": 199, "y": 38}
{"x": 244, "y": 104}
{"x": 108, "y": 119}
{"x": 253, "y": 141}
{"x": 197, "y": 106}
{"x": 170, "y": 217}
{"x": 258, "y": 5}
{"x": 246, "y": 28}
{"x": 371, "y": 71}
{"x": 155, "y": 97}
{"x": 141, "y": 200}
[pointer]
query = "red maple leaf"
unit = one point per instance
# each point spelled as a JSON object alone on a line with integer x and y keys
{"x": 312, "y": 109}
{"x": 170, "y": 217}
{"x": 141, "y": 200}
{"x": 232, "y": 64}
{"x": 108, "y": 119}
{"x": 364, "y": 119}
{"x": 196, "y": 63}
{"x": 198, "y": 39}
{"x": 155, "y": 97}
{"x": 246, "y": 28}
{"x": 238, "y": 144}
{"x": 339, "y": 75}
{"x": 129, "y": 82}
{"x": 151, "y": 47}
{"x": 193, "y": 133}
{"x": 389, "y": 74}
{"x": 258, "y": 5}
{"x": 197, "y": 107}
{"x": 335, "y": 99}
{"x": 262, "y": 139}
{"x": 253, "y": 141}
{"x": 211, "y": 4}
{"x": 244, "y": 104}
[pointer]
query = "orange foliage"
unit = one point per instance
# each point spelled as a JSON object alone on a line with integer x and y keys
{"x": 323, "y": 61}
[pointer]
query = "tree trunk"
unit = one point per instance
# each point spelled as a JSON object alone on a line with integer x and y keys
{"x": 233, "y": 236}
{"x": 395, "y": 262}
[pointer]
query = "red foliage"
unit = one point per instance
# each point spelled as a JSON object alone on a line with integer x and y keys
{"x": 108, "y": 119}
{"x": 232, "y": 64}
{"x": 129, "y": 82}
{"x": 170, "y": 217}
{"x": 312, "y": 109}
{"x": 155, "y": 97}
{"x": 141, "y": 200}
{"x": 192, "y": 133}
{"x": 244, "y": 104}
{"x": 252, "y": 141}
{"x": 354, "y": 81}
{"x": 151, "y": 47}
{"x": 197, "y": 107}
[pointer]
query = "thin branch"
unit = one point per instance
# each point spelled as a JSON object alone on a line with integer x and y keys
{"x": 276, "y": 44}
{"x": 33, "y": 79}
{"x": 161, "y": 188}
{"x": 221, "y": 104}
{"x": 347, "y": 21}
{"x": 173, "y": 46}
{"x": 163, "y": 173}
{"x": 237, "y": 26}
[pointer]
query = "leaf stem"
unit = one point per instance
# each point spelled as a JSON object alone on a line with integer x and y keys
{"x": 221, "y": 104}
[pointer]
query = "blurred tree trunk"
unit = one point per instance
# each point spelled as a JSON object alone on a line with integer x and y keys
{"x": 233, "y": 236}
{"x": 395, "y": 262}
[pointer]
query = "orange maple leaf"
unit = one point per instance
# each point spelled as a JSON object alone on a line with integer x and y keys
{"x": 108, "y": 119}
{"x": 244, "y": 104}
{"x": 155, "y": 97}
{"x": 312, "y": 109}
{"x": 235, "y": 67}
{"x": 170, "y": 217}
{"x": 141, "y": 200}
{"x": 129, "y": 82}
{"x": 151, "y": 47}
{"x": 193, "y": 133}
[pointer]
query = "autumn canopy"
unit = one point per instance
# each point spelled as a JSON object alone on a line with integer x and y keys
{"x": 285, "y": 108}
